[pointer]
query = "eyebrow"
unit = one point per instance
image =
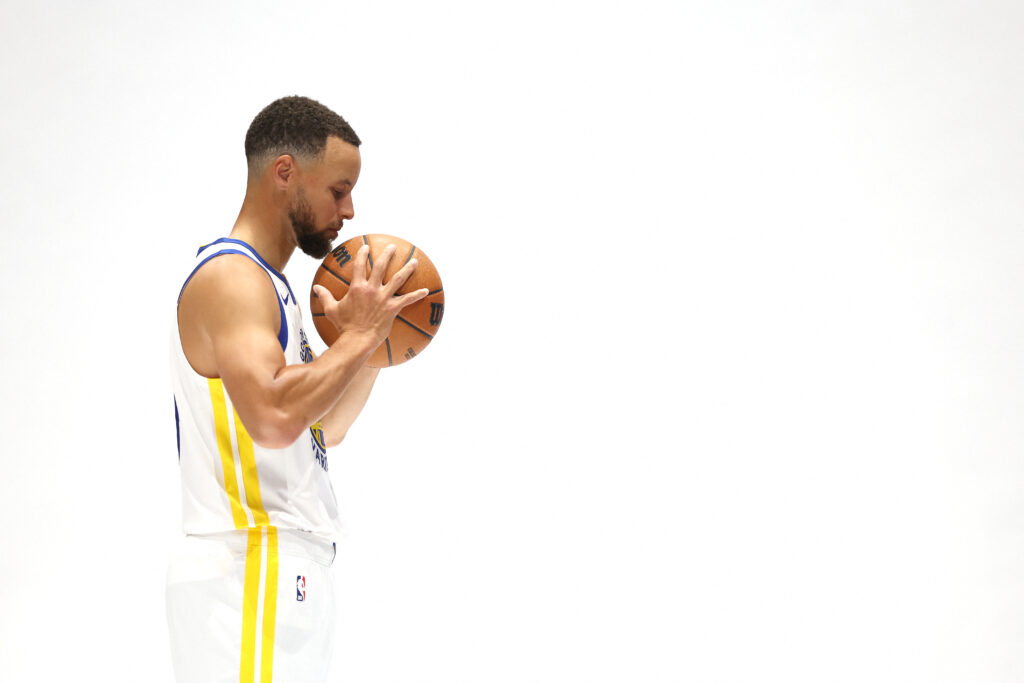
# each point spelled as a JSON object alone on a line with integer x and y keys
{"x": 344, "y": 182}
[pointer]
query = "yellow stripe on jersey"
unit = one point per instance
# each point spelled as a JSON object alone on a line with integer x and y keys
{"x": 254, "y": 548}
{"x": 250, "y": 477}
{"x": 227, "y": 457}
{"x": 269, "y": 608}
{"x": 251, "y": 598}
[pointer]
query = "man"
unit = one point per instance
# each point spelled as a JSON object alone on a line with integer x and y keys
{"x": 249, "y": 594}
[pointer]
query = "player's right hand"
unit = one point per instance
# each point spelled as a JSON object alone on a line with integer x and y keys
{"x": 369, "y": 307}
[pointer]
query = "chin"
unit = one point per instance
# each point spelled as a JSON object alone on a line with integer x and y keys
{"x": 316, "y": 248}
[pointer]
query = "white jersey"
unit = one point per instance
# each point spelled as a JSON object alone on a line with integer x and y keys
{"x": 228, "y": 481}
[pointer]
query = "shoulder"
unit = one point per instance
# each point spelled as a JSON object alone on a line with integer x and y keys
{"x": 227, "y": 287}
{"x": 226, "y": 265}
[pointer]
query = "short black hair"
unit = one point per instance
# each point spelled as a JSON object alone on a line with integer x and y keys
{"x": 293, "y": 125}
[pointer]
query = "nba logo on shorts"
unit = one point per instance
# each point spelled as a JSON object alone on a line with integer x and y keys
{"x": 300, "y": 588}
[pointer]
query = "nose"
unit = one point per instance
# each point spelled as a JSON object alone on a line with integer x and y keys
{"x": 347, "y": 210}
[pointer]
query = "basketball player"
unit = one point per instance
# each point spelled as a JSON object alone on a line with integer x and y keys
{"x": 249, "y": 595}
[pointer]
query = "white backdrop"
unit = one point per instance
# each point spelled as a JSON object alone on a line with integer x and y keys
{"x": 730, "y": 381}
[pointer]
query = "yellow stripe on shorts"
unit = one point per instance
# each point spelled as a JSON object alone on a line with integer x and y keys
{"x": 247, "y": 673}
{"x": 269, "y": 608}
{"x": 227, "y": 458}
{"x": 251, "y": 604}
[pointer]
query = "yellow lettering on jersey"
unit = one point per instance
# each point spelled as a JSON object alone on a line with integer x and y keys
{"x": 227, "y": 458}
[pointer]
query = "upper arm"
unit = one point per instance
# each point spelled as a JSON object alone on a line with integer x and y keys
{"x": 233, "y": 303}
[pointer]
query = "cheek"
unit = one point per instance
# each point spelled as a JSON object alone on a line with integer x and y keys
{"x": 327, "y": 210}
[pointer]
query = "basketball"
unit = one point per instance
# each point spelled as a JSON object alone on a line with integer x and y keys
{"x": 415, "y": 325}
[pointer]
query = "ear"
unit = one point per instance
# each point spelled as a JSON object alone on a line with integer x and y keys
{"x": 282, "y": 170}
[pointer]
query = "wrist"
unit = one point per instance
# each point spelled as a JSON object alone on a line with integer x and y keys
{"x": 358, "y": 342}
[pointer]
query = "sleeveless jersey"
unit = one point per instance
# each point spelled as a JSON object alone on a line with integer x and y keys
{"x": 227, "y": 480}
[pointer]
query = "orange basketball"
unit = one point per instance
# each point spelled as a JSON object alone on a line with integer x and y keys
{"x": 415, "y": 325}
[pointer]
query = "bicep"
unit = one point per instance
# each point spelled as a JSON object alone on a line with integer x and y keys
{"x": 242, "y": 320}
{"x": 249, "y": 358}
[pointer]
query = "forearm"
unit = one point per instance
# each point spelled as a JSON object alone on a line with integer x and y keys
{"x": 302, "y": 394}
{"x": 339, "y": 418}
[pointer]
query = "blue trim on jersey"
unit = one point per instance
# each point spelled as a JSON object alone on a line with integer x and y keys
{"x": 282, "y": 334}
{"x": 257, "y": 255}
{"x": 177, "y": 426}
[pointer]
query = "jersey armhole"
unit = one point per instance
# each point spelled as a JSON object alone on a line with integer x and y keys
{"x": 282, "y": 333}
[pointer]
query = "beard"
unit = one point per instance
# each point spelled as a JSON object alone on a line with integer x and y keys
{"x": 308, "y": 237}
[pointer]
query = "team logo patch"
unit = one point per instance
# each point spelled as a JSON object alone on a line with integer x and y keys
{"x": 300, "y": 589}
{"x": 319, "y": 445}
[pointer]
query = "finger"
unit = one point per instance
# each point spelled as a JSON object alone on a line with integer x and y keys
{"x": 411, "y": 297}
{"x": 399, "y": 278}
{"x": 381, "y": 266}
{"x": 359, "y": 264}
{"x": 323, "y": 295}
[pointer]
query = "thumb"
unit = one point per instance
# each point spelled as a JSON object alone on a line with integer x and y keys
{"x": 323, "y": 294}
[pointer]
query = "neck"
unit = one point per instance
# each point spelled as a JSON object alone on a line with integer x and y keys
{"x": 261, "y": 225}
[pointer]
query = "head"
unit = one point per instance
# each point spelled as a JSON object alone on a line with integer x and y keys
{"x": 310, "y": 157}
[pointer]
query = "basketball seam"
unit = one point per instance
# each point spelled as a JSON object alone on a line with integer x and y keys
{"x": 426, "y": 334}
{"x": 336, "y": 275}
{"x": 369, "y": 254}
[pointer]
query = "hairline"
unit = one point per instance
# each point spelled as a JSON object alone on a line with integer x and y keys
{"x": 259, "y": 164}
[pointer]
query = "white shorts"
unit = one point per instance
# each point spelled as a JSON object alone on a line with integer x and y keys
{"x": 254, "y": 605}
